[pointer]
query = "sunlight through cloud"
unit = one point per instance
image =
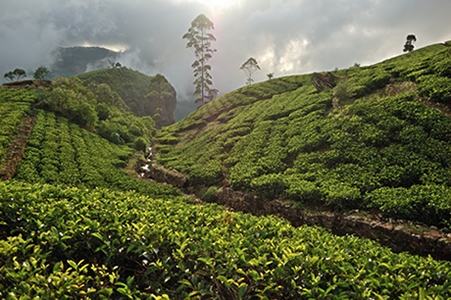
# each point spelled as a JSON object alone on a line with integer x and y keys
{"x": 216, "y": 5}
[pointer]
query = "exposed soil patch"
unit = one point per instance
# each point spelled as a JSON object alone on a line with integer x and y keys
{"x": 17, "y": 150}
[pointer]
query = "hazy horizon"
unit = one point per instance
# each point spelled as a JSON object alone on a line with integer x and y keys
{"x": 285, "y": 36}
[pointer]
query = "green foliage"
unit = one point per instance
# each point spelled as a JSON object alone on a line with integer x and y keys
{"x": 9, "y": 75}
{"x": 342, "y": 93}
{"x": 19, "y": 73}
{"x": 161, "y": 94}
{"x": 140, "y": 144}
{"x": 99, "y": 109}
{"x": 41, "y": 73}
{"x": 280, "y": 138}
{"x": 16, "y": 74}
{"x": 131, "y": 90}
{"x": 436, "y": 88}
{"x": 61, "y": 242}
{"x": 63, "y": 153}
{"x": 208, "y": 194}
{"x": 14, "y": 106}
{"x": 72, "y": 101}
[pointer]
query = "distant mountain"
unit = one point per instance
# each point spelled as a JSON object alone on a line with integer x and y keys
{"x": 133, "y": 87}
{"x": 76, "y": 60}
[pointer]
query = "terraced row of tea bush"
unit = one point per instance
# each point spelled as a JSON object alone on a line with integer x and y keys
{"x": 14, "y": 105}
{"x": 382, "y": 139}
{"x": 99, "y": 109}
{"x": 58, "y": 242}
{"x": 60, "y": 152}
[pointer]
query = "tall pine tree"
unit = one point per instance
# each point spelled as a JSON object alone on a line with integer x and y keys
{"x": 199, "y": 38}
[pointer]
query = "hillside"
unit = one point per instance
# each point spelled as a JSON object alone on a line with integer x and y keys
{"x": 135, "y": 89}
{"x": 379, "y": 140}
{"x": 77, "y": 222}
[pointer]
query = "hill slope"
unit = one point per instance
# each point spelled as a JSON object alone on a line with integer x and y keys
{"x": 376, "y": 140}
{"x": 134, "y": 88}
{"x": 74, "y": 225}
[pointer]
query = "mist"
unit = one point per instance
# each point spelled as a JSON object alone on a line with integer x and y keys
{"x": 285, "y": 36}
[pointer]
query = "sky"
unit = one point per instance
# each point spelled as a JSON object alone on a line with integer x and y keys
{"x": 285, "y": 36}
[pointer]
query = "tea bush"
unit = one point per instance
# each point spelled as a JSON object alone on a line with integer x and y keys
{"x": 14, "y": 105}
{"x": 283, "y": 138}
{"x": 67, "y": 242}
{"x": 63, "y": 153}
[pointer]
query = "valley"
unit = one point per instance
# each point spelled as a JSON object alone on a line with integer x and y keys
{"x": 294, "y": 183}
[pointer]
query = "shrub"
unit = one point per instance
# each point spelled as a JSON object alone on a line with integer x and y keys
{"x": 269, "y": 186}
{"x": 208, "y": 194}
{"x": 437, "y": 88}
{"x": 301, "y": 190}
{"x": 140, "y": 144}
{"x": 342, "y": 93}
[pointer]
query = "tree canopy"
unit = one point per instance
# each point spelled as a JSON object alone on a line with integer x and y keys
{"x": 41, "y": 73}
{"x": 19, "y": 73}
{"x": 408, "y": 46}
{"x": 16, "y": 74}
{"x": 9, "y": 75}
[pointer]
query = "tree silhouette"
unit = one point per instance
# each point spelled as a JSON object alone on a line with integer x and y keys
{"x": 19, "y": 73}
{"x": 200, "y": 39}
{"x": 408, "y": 46}
{"x": 250, "y": 67}
{"x": 9, "y": 75}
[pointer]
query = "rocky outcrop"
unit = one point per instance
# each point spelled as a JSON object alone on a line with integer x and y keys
{"x": 323, "y": 81}
{"x": 162, "y": 175}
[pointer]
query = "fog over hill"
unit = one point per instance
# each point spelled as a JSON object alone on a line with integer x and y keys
{"x": 285, "y": 36}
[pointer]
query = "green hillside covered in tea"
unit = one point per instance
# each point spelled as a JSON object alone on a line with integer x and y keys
{"x": 77, "y": 222}
{"x": 380, "y": 139}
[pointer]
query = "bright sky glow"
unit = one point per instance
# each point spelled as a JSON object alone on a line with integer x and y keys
{"x": 115, "y": 48}
{"x": 217, "y": 6}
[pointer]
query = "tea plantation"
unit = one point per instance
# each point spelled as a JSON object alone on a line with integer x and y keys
{"x": 74, "y": 225}
{"x": 380, "y": 140}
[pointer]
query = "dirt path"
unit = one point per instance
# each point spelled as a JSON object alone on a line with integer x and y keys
{"x": 16, "y": 152}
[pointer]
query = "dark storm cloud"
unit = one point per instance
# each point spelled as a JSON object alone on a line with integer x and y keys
{"x": 285, "y": 36}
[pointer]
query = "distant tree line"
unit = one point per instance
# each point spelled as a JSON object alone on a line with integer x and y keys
{"x": 40, "y": 74}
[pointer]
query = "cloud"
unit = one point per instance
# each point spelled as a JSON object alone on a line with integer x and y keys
{"x": 285, "y": 36}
